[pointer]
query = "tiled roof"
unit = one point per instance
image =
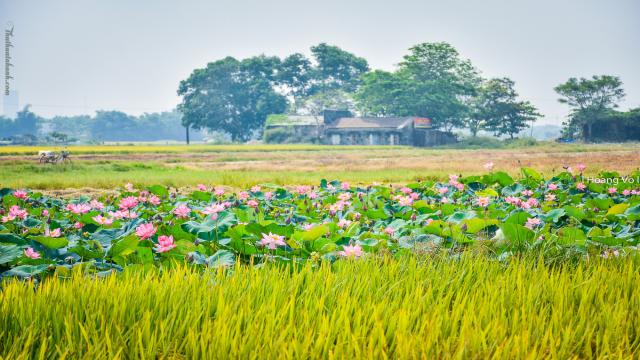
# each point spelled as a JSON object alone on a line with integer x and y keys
{"x": 370, "y": 122}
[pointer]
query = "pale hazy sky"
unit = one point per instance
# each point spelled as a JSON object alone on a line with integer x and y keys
{"x": 78, "y": 56}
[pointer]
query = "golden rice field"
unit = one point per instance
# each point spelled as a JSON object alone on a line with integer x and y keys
{"x": 402, "y": 308}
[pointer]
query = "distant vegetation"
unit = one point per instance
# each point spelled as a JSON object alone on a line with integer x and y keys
{"x": 105, "y": 126}
{"x": 233, "y": 97}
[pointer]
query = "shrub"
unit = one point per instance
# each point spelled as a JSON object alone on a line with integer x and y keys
{"x": 521, "y": 142}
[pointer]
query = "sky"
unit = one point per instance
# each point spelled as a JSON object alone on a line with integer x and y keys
{"x": 78, "y": 56}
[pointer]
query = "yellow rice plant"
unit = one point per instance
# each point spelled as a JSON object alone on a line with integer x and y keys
{"x": 405, "y": 308}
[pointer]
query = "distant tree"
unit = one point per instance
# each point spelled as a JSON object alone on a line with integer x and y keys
{"x": 59, "y": 137}
{"x": 295, "y": 75}
{"x": 432, "y": 81}
{"x": 336, "y": 68}
{"x": 232, "y": 96}
{"x": 384, "y": 93}
{"x": 589, "y": 100}
{"x": 114, "y": 126}
{"x": 441, "y": 82}
{"x": 496, "y": 108}
{"x": 333, "y": 99}
{"x": 26, "y": 122}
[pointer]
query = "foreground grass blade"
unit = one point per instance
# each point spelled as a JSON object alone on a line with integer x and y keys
{"x": 406, "y": 308}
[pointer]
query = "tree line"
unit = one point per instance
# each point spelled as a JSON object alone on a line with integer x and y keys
{"x": 28, "y": 127}
{"x": 432, "y": 81}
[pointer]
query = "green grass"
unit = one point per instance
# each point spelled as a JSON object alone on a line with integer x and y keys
{"x": 104, "y": 176}
{"x": 407, "y": 308}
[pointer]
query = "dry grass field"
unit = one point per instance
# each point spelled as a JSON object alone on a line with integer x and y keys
{"x": 101, "y": 167}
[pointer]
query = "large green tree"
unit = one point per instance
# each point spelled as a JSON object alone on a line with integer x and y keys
{"x": 232, "y": 96}
{"x": 589, "y": 100}
{"x": 432, "y": 81}
{"x": 336, "y": 68}
{"x": 294, "y": 76}
{"x": 496, "y": 108}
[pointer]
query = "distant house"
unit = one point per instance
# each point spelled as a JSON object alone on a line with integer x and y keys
{"x": 370, "y": 131}
{"x": 341, "y": 128}
{"x": 283, "y": 128}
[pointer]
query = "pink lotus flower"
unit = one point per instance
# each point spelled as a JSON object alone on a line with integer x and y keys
{"x": 128, "y": 202}
{"x": 213, "y": 209}
{"x": 581, "y": 167}
{"x": 531, "y": 223}
{"x": 16, "y": 212}
{"x": 20, "y": 194}
{"x": 427, "y": 222}
{"x": 338, "y": 206}
{"x": 552, "y": 186}
{"x": 79, "y": 208}
{"x": 405, "y": 201}
{"x": 626, "y": 192}
{"x": 512, "y": 200}
{"x": 612, "y": 190}
{"x": 453, "y": 178}
{"x": 443, "y": 190}
{"x": 406, "y": 190}
{"x": 303, "y": 189}
{"x": 459, "y": 186}
{"x": 32, "y": 254}
{"x": 581, "y": 186}
{"x": 354, "y": 251}
{"x": 489, "y": 166}
{"x": 45, "y": 212}
{"x": 527, "y": 192}
{"x": 218, "y": 191}
{"x": 444, "y": 200}
{"x": 78, "y": 225}
{"x": 182, "y": 211}
{"x": 252, "y": 203}
{"x": 145, "y": 231}
{"x": 345, "y": 186}
{"x": 272, "y": 241}
{"x": 255, "y": 188}
{"x": 97, "y": 205}
{"x": 165, "y": 243}
{"x": 53, "y": 233}
{"x": 308, "y": 226}
{"x": 550, "y": 197}
{"x": 344, "y": 196}
{"x": 389, "y": 230}
{"x": 483, "y": 201}
{"x": 202, "y": 187}
{"x": 102, "y": 220}
{"x": 533, "y": 202}
{"x": 122, "y": 214}
{"x": 154, "y": 200}
{"x": 313, "y": 195}
{"x": 343, "y": 223}
{"x": 243, "y": 195}
{"x": 268, "y": 195}
{"x": 128, "y": 186}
